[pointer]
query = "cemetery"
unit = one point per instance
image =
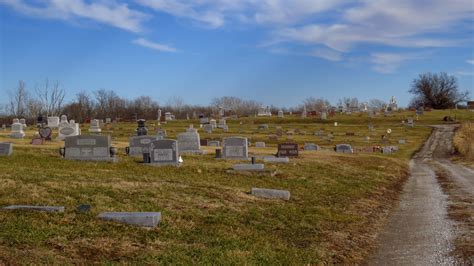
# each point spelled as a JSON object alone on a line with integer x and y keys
{"x": 126, "y": 175}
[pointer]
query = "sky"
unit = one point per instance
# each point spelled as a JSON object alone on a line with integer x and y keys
{"x": 274, "y": 51}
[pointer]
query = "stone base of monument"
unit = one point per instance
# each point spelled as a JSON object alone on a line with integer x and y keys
{"x": 95, "y": 130}
{"x": 164, "y": 164}
{"x": 273, "y": 159}
{"x": 35, "y": 208}
{"x": 271, "y": 193}
{"x": 144, "y": 219}
{"x": 17, "y": 135}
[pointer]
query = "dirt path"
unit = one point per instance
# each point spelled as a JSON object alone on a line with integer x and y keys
{"x": 419, "y": 231}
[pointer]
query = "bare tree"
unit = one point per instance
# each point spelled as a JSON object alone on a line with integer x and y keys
{"x": 439, "y": 91}
{"x": 51, "y": 97}
{"x": 109, "y": 104}
{"x": 19, "y": 100}
{"x": 377, "y": 104}
{"x": 35, "y": 107}
{"x": 316, "y": 104}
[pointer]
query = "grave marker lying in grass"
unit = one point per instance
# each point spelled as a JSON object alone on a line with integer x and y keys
{"x": 35, "y": 208}
{"x": 271, "y": 193}
{"x": 145, "y": 219}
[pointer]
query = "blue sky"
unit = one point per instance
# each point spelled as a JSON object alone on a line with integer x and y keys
{"x": 273, "y": 51}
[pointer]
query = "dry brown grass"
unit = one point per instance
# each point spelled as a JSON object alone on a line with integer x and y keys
{"x": 464, "y": 143}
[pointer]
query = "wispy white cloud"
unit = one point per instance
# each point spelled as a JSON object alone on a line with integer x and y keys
{"x": 464, "y": 73}
{"x": 389, "y": 62}
{"x": 327, "y": 54}
{"x": 155, "y": 46}
{"x": 470, "y": 61}
{"x": 107, "y": 12}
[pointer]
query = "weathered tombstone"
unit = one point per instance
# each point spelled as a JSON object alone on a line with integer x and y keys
{"x": 410, "y": 123}
{"x": 164, "y": 152}
{"x": 17, "y": 130}
{"x": 204, "y": 120}
{"x": 311, "y": 147}
{"x": 144, "y": 219}
{"x": 288, "y": 149}
{"x": 401, "y": 141}
{"x": 6, "y": 149}
{"x": 139, "y": 145}
{"x": 344, "y": 148}
{"x": 159, "y": 115}
{"x": 4, "y": 126}
{"x": 108, "y": 120}
{"x": 213, "y": 123}
{"x": 37, "y": 140}
{"x": 214, "y": 143}
{"x": 208, "y": 128}
{"x": 259, "y": 144}
{"x": 273, "y": 159}
{"x": 53, "y": 122}
{"x": 23, "y": 123}
{"x": 189, "y": 142}
{"x": 280, "y": 114}
{"x": 35, "y": 208}
{"x": 160, "y": 133}
{"x": 389, "y": 149}
{"x": 222, "y": 123}
{"x": 95, "y": 126}
{"x": 324, "y": 116}
{"x": 248, "y": 167}
{"x": 235, "y": 148}
{"x": 89, "y": 148}
{"x": 271, "y": 193}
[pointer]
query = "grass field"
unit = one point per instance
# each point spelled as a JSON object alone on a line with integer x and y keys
{"x": 338, "y": 202}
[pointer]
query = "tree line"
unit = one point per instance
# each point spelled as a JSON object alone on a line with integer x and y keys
{"x": 438, "y": 91}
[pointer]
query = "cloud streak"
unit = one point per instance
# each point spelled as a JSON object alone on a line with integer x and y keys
{"x": 155, "y": 46}
{"x": 106, "y": 12}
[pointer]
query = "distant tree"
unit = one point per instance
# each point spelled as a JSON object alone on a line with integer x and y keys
{"x": 438, "y": 91}
{"x": 377, "y": 104}
{"x": 51, "y": 97}
{"x": 316, "y": 104}
{"x": 18, "y": 104}
{"x": 237, "y": 105}
{"x": 109, "y": 104}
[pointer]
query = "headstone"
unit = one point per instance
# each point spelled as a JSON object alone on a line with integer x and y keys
{"x": 145, "y": 219}
{"x": 67, "y": 130}
{"x": 259, "y": 144}
{"x": 108, "y": 120}
{"x": 304, "y": 113}
{"x": 53, "y": 122}
{"x": 279, "y": 131}
{"x": 6, "y": 149}
{"x": 23, "y": 123}
{"x": 213, "y": 123}
{"x": 235, "y": 148}
{"x": 208, "y": 128}
{"x": 204, "y": 120}
{"x": 249, "y": 167}
{"x": 344, "y": 148}
{"x": 138, "y": 145}
{"x": 95, "y": 126}
{"x": 273, "y": 159}
{"x": 410, "y": 122}
{"x": 164, "y": 152}
{"x": 263, "y": 126}
{"x": 160, "y": 133}
{"x": 319, "y": 133}
{"x": 168, "y": 116}
{"x": 189, "y": 142}
{"x": 214, "y": 143}
{"x": 17, "y": 130}
{"x": 37, "y": 140}
{"x": 271, "y": 193}
{"x": 159, "y": 115}
{"x": 401, "y": 141}
{"x": 35, "y": 208}
{"x": 288, "y": 149}
{"x": 45, "y": 132}
{"x": 89, "y": 148}
{"x": 280, "y": 114}
{"x": 204, "y": 142}
{"x": 83, "y": 208}
{"x": 311, "y": 147}
{"x": 222, "y": 123}
{"x": 324, "y": 116}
